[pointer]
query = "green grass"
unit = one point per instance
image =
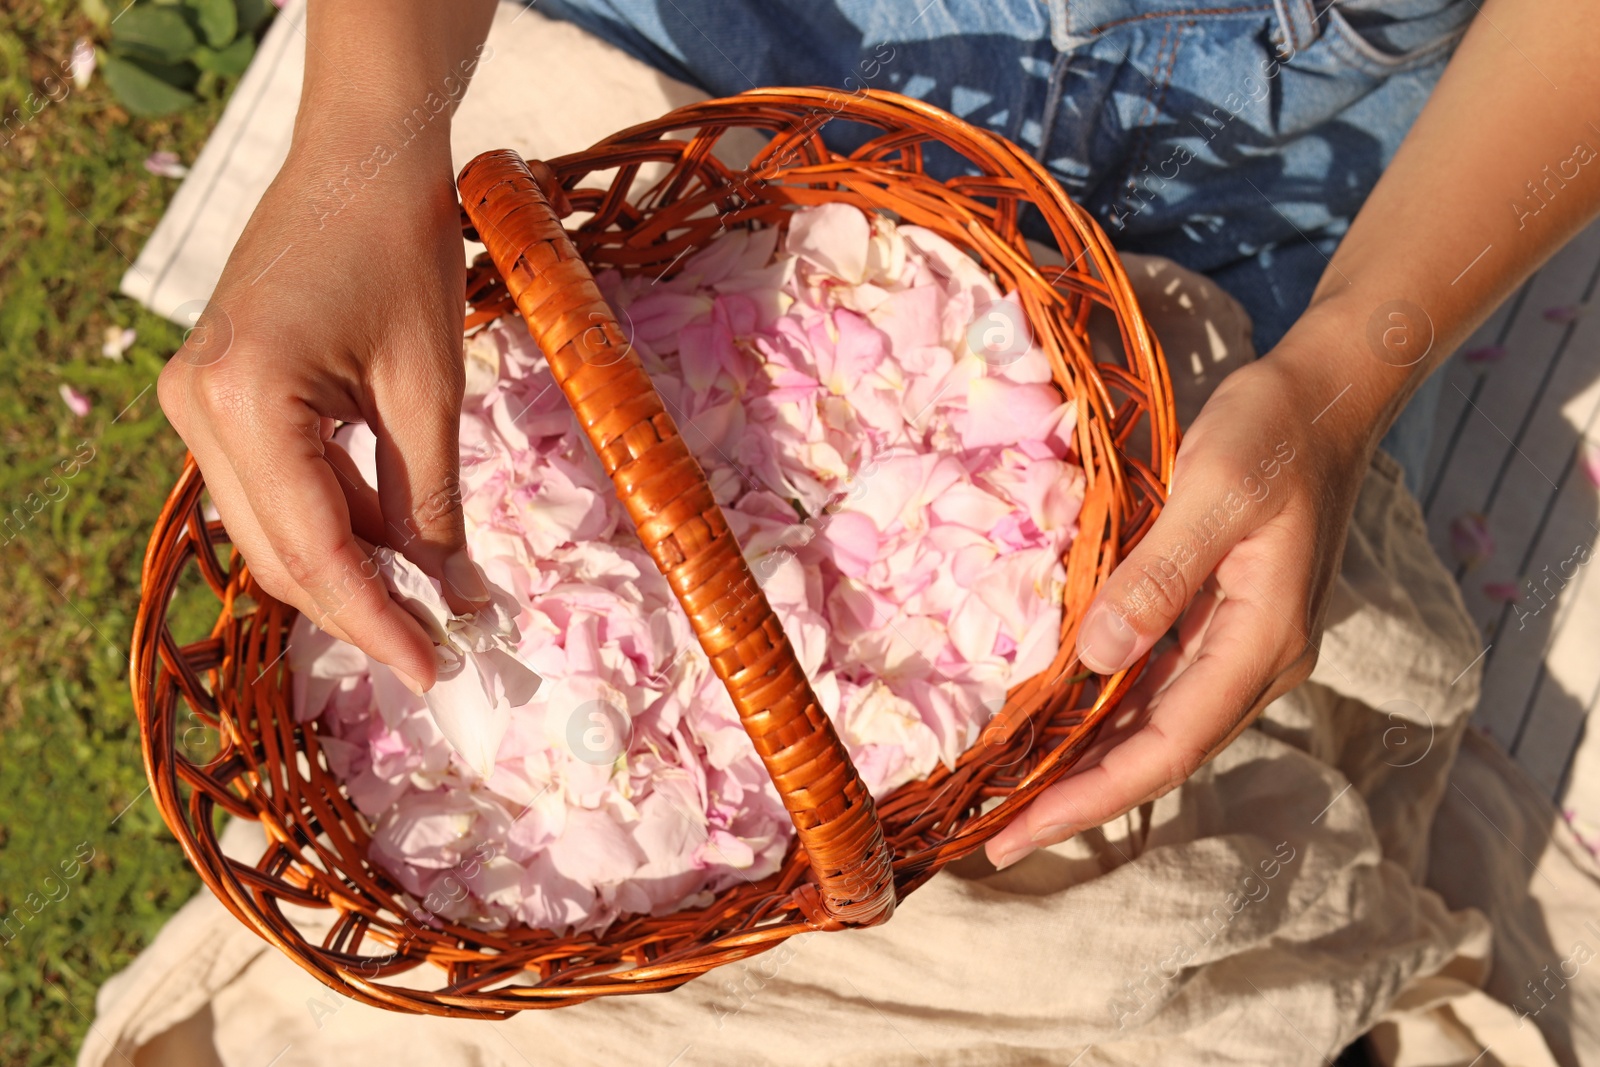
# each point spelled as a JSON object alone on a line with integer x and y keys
{"x": 75, "y": 205}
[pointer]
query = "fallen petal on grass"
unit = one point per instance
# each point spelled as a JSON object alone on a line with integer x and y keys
{"x": 82, "y": 62}
{"x": 118, "y": 339}
{"x": 165, "y": 165}
{"x": 74, "y": 400}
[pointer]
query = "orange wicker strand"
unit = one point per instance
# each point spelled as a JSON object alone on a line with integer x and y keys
{"x": 647, "y": 198}
{"x": 683, "y": 529}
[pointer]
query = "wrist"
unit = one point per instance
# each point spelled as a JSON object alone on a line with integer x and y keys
{"x": 404, "y": 121}
{"x": 348, "y": 172}
{"x": 389, "y": 73}
{"x": 1355, "y": 367}
{"x": 364, "y": 142}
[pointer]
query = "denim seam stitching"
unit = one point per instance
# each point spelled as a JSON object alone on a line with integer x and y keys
{"x": 1308, "y": 7}
{"x": 1152, "y": 103}
{"x": 1156, "y": 89}
{"x": 1339, "y": 37}
{"x": 1280, "y": 15}
{"x": 1189, "y": 16}
{"x": 1161, "y": 83}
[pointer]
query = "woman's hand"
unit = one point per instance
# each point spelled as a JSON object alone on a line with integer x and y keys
{"x": 337, "y": 309}
{"x": 343, "y": 300}
{"x": 1241, "y": 558}
{"x": 1445, "y": 236}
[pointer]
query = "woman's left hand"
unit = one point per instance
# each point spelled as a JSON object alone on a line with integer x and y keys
{"x": 1242, "y": 558}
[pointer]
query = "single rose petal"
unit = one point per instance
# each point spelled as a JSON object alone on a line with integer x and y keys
{"x": 118, "y": 339}
{"x": 973, "y": 629}
{"x": 1503, "y": 592}
{"x": 482, "y": 355}
{"x": 82, "y": 62}
{"x": 165, "y": 165}
{"x": 595, "y": 849}
{"x": 855, "y": 349}
{"x": 1591, "y": 462}
{"x": 851, "y": 541}
{"x": 1038, "y": 648}
{"x": 910, "y": 318}
{"x": 1563, "y": 313}
{"x": 75, "y": 401}
{"x": 1470, "y": 539}
{"x": 1001, "y": 412}
{"x": 967, "y": 505}
{"x": 834, "y": 237}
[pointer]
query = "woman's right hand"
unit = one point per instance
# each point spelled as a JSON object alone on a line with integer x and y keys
{"x": 341, "y": 301}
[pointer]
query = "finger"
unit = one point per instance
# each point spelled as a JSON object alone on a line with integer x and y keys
{"x": 1207, "y": 513}
{"x": 1170, "y": 662}
{"x": 366, "y": 514}
{"x": 1131, "y": 716}
{"x": 1235, "y": 666}
{"x": 1134, "y": 711}
{"x": 301, "y": 508}
{"x": 244, "y": 531}
{"x": 417, "y": 421}
{"x": 548, "y": 184}
{"x": 177, "y": 391}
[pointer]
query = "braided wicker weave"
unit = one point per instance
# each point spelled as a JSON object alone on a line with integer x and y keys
{"x": 852, "y": 859}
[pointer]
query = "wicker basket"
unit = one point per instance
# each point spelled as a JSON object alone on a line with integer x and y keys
{"x": 852, "y": 859}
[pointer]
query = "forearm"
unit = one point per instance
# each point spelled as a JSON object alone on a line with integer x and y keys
{"x": 389, "y": 73}
{"x": 1501, "y": 168}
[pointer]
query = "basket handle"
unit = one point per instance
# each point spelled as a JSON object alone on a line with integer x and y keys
{"x": 683, "y": 529}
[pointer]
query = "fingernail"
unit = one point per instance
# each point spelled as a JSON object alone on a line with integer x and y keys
{"x": 461, "y": 574}
{"x": 1050, "y": 835}
{"x": 1105, "y": 644}
{"x": 407, "y": 681}
{"x": 1012, "y": 855}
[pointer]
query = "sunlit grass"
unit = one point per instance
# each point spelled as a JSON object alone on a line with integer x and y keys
{"x": 83, "y": 852}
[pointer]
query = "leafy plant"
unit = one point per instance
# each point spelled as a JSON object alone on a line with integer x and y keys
{"x": 161, "y": 56}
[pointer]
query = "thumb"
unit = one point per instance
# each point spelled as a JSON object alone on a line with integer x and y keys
{"x": 1206, "y": 514}
{"x": 417, "y": 424}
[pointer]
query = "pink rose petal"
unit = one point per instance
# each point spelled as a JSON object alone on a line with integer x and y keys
{"x": 852, "y": 542}
{"x": 904, "y": 511}
{"x": 75, "y": 401}
{"x": 1504, "y": 592}
{"x": 1001, "y": 412}
{"x": 1470, "y": 539}
{"x": 1563, "y": 313}
{"x": 165, "y": 165}
{"x": 82, "y": 63}
{"x": 1591, "y": 462}
{"x": 834, "y": 238}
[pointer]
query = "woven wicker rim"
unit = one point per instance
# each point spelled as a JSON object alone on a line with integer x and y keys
{"x": 234, "y": 683}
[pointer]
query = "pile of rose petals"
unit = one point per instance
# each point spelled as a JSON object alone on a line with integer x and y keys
{"x": 904, "y": 501}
